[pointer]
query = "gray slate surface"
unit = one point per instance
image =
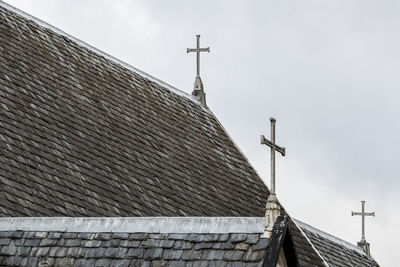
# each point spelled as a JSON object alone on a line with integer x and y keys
{"x": 337, "y": 253}
{"x": 83, "y": 136}
{"x": 136, "y": 249}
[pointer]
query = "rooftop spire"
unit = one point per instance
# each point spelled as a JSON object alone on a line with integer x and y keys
{"x": 363, "y": 243}
{"x": 198, "y": 90}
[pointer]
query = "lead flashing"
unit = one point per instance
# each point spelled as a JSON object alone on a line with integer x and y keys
{"x": 136, "y": 224}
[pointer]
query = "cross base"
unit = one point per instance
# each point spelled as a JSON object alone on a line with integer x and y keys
{"x": 273, "y": 211}
{"x": 364, "y": 245}
{"x": 198, "y": 84}
{"x": 198, "y": 92}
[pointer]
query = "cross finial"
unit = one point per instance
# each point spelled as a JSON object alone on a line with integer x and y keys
{"x": 198, "y": 90}
{"x": 273, "y": 208}
{"x": 274, "y": 147}
{"x": 363, "y": 214}
{"x": 363, "y": 243}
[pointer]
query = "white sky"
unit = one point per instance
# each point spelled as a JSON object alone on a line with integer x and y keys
{"x": 326, "y": 70}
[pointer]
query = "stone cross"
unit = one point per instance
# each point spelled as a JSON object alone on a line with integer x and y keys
{"x": 363, "y": 214}
{"x": 274, "y": 147}
{"x": 198, "y": 50}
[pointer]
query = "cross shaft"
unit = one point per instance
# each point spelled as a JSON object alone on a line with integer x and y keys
{"x": 198, "y": 50}
{"x": 274, "y": 147}
{"x": 363, "y": 214}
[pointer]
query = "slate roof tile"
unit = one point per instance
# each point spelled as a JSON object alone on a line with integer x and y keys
{"x": 192, "y": 255}
{"x": 4, "y": 241}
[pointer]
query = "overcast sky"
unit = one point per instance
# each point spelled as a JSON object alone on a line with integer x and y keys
{"x": 326, "y": 70}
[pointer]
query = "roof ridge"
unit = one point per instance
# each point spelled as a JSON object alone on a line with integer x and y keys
{"x": 107, "y": 56}
{"x": 328, "y": 236}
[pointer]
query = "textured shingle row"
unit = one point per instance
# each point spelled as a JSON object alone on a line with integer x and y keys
{"x": 130, "y": 249}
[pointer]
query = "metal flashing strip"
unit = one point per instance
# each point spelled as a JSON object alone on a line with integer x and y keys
{"x": 136, "y": 224}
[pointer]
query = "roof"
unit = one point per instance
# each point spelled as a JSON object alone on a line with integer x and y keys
{"x": 84, "y": 135}
{"x": 335, "y": 251}
{"x": 135, "y": 245}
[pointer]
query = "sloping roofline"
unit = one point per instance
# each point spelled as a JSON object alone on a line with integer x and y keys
{"x": 98, "y": 51}
{"x": 329, "y": 236}
{"x": 309, "y": 242}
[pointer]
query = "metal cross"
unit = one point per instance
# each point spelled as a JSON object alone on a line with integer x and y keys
{"x": 363, "y": 214}
{"x": 274, "y": 147}
{"x": 198, "y": 50}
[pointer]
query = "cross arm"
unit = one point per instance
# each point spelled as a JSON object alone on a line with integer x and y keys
{"x": 361, "y": 214}
{"x": 188, "y": 50}
{"x": 265, "y": 141}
